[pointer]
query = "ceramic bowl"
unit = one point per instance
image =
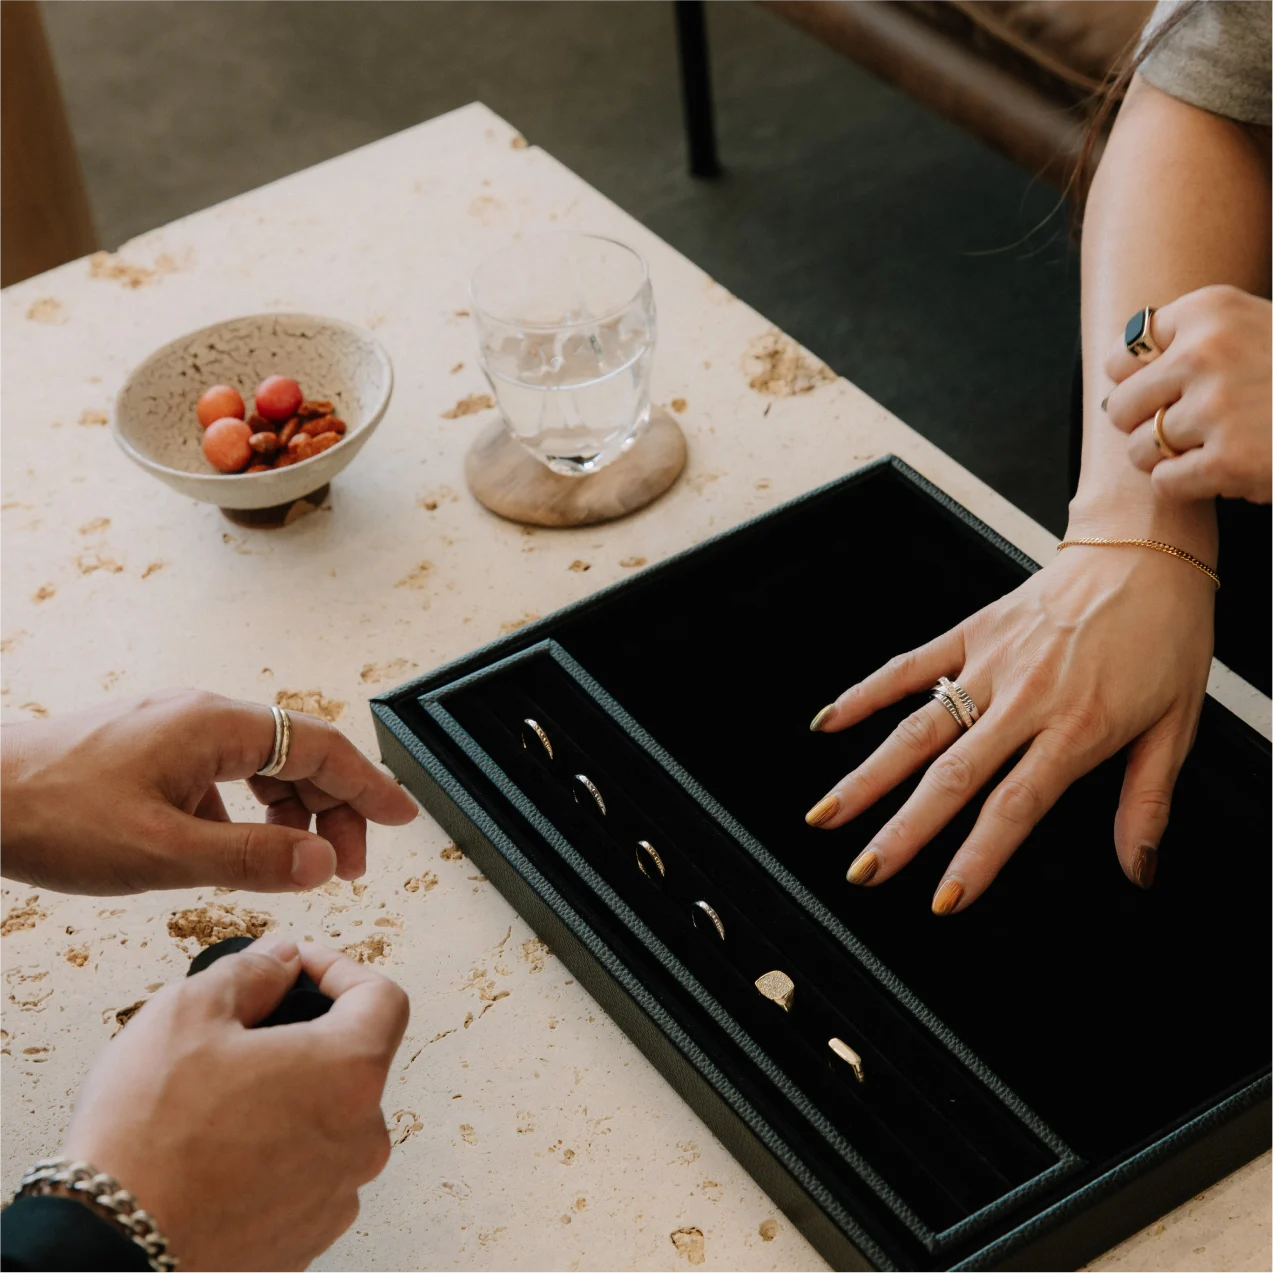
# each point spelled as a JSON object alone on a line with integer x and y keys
{"x": 155, "y": 420}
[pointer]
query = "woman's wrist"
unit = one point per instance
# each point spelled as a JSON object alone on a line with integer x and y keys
{"x": 1189, "y": 527}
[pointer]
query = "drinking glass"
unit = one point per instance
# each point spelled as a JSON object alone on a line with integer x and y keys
{"x": 566, "y": 333}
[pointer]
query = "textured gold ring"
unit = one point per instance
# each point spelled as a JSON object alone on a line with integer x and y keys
{"x": 282, "y": 744}
{"x": 1165, "y": 448}
{"x": 962, "y": 699}
{"x": 539, "y": 732}
{"x": 712, "y": 915}
{"x": 778, "y": 988}
{"x": 948, "y": 702}
{"x": 591, "y": 788}
{"x": 648, "y": 855}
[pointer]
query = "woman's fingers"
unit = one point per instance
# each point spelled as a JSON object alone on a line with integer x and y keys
{"x": 345, "y": 829}
{"x": 1009, "y": 814}
{"x": 1153, "y": 385}
{"x": 1153, "y": 764}
{"x": 950, "y": 782}
{"x": 1119, "y": 364}
{"x": 921, "y": 736}
{"x": 1179, "y": 432}
{"x": 1192, "y": 476}
{"x": 906, "y": 674}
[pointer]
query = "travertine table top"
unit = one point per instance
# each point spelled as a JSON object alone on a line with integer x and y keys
{"x": 529, "y": 1132}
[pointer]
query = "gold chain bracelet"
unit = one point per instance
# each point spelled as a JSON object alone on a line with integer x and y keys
{"x": 1170, "y": 549}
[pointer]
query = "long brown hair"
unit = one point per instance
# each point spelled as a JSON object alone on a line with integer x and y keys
{"x": 1109, "y": 100}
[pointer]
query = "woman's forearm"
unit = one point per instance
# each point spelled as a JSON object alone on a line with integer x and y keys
{"x": 1181, "y": 200}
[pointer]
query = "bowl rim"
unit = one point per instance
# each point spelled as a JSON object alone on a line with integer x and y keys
{"x": 221, "y": 479}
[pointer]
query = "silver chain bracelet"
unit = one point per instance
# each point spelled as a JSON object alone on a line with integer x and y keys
{"x": 111, "y": 1201}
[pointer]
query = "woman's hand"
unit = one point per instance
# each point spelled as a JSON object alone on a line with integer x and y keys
{"x": 1102, "y": 648}
{"x": 124, "y": 799}
{"x": 1215, "y": 379}
{"x": 247, "y": 1146}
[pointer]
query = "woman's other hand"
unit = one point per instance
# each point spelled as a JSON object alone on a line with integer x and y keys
{"x": 248, "y": 1147}
{"x": 1104, "y": 647}
{"x": 1215, "y": 379}
{"x": 124, "y": 799}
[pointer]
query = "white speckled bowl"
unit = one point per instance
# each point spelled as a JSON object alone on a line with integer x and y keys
{"x": 155, "y": 419}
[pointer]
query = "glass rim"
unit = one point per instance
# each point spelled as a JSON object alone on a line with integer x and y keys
{"x": 564, "y": 325}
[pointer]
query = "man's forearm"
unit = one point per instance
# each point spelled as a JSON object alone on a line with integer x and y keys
{"x": 1181, "y": 200}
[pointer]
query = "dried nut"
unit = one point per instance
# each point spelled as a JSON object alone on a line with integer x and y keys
{"x": 323, "y": 441}
{"x": 311, "y": 410}
{"x": 285, "y": 458}
{"x": 259, "y": 424}
{"x": 265, "y": 443}
{"x": 301, "y": 446}
{"x": 257, "y": 468}
{"x": 289, "y": 430}
{"x": 336, "y": 425}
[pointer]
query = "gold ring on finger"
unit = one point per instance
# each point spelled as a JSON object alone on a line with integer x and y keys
{"x": 1165, "y": 448}
{"x": 282, "y": 744}
{"x": 963, "y": 697}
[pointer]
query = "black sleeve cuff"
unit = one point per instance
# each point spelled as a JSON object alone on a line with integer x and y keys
{"x": 62, "y": 1234}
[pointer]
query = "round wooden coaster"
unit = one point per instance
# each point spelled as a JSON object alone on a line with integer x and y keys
{"x": 279, "y": 514}
{"x": 508, "y": 480}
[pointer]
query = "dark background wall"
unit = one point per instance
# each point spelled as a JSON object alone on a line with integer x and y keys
{"x": 919, "y": 264}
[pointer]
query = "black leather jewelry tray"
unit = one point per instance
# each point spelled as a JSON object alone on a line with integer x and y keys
{"x": 1042, "y": 1075}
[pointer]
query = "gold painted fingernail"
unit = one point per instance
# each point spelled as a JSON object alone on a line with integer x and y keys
{"x": 823, "y": 811}
{"x": 947, "y": 897}
{"x": 1145, "y": 866}
{"x": 821, "y": 718}
{"x": 864, "y": 867}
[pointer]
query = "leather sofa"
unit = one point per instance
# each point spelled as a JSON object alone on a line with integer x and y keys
{"x": 1021, "y": 75}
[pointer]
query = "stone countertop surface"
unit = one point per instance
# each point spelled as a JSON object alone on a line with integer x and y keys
{"x": 528, "y": 1131}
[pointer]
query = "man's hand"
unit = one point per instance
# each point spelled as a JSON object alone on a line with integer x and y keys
{"x": 124, "y": 799}
{"x": 247, "y": 1146}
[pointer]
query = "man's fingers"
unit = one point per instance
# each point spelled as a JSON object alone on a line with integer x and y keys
{"x": 1009, "y": 814}
{"x": 921, "y": 736}
{"x": 249, "y": 984}
{"x": 211, "y": 806}
{"x": 318, "y": 752}
{"x": 262, "y": 856}
{"x": 1119, "y": 364}
{"x": 906, "y": 674}
{"x": 950, "y": 782}
{"x": 1153, "y": 764}
{"x": 371, "y": 1007}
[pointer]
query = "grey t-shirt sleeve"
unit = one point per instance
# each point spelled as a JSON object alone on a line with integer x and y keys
{"x": 1217, "y": 57}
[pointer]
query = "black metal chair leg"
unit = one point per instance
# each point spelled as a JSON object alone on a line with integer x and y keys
{"x": 696, "y": 87}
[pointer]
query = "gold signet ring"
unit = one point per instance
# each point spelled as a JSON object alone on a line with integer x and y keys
{"x": 848, "y": 1056}
{"x": 534, "y": 730}
{"x": 778, "y": 987}
{"x": 1168, "y": 451}
{"x": 702, "y": 908}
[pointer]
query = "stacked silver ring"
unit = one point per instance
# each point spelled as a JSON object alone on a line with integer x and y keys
{"x": 282, "y": 744}
{"x": 957, "y": 701}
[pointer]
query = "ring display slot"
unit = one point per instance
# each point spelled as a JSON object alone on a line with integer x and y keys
{"x": 962, "y": 1100}
{"x": 897, "y": 1120}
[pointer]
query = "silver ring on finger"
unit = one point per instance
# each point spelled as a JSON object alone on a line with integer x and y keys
{"x": 957, "y": 701}
{"x": 282, "y": 744}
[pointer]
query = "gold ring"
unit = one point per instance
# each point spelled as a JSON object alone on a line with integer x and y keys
{"x": 712, "y": 915}
{"x": 962, "y": 698}
{"x": 282, "y": 744}
{"x": 646, "y": 852}
{"x": 947, "y": 700}
{"x": 1168, "y": 451}
{"x": 591, "y": 788}
{"x": 848, "y": 1056}
{"x": 1138, "y": 335}
{"x": 538, "y": 731}
{"x": 777, "y": 987}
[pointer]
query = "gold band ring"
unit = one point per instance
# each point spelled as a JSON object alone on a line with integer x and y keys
{"x": 705, "y": 909}
{"x": 647, "y": 856}
{"x": 849, "y": 1057}
{"x": 940, "y": 696}
{"x": 538, "y": 731}
{"x": 282, "y": 744}
{"x": 1168, "y": 451}
{"x": 591, "y": 788}
{"x": 962, "y": 696}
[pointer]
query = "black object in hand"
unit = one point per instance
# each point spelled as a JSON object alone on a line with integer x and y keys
{"x": 303, "y": 1002}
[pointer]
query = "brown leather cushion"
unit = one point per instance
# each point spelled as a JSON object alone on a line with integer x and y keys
{"x": 1065, "y": 47}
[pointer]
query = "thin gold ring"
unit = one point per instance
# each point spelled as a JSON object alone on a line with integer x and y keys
{"x": 282, "y": 744}
{"x": 591, "y": 788}
{"x": 1160, "y": 441}
{"x": 712, "y": 915}
{"x": 538, "y": 730}
{"x": 647, "y": 851}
